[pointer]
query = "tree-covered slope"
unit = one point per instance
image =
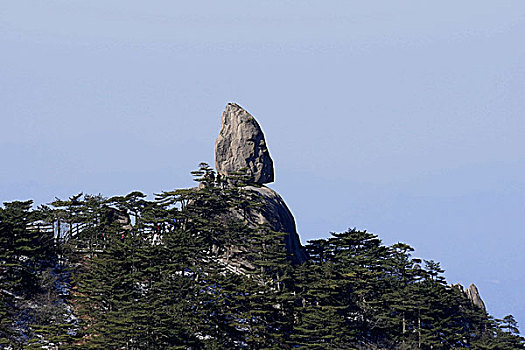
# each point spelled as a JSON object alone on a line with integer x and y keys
{"x": 182, "y": 272}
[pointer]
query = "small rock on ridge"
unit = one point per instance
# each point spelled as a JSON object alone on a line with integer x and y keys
{"x": 473, "y": 295}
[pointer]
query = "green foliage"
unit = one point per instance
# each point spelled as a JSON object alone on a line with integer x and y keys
{"x": 191, "y": 270}
{"x": 26, "y": 254}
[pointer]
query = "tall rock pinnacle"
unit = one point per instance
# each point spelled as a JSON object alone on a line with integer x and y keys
{"x": 241, "y": 145}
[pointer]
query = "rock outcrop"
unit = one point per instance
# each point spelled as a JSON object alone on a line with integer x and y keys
{"x": 275, "y": 213}
{"x": 241, "y": 145}
{"x": 473, "y": 295}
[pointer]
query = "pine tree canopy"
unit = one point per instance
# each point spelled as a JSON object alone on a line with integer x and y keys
{"x": 182, "y": 272}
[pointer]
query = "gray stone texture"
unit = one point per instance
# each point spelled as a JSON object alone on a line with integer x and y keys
{"x": 276, "y": 214}
{"x": 241, "y": 145}
{"x": 473, "y": 295}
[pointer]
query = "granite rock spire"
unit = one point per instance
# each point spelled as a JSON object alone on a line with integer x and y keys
{"x": 241, "y": 145}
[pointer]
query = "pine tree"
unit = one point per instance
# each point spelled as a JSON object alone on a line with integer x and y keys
{"x": 359, "y": 257}
{"x": 320, "y": 289}
{"x": 437, "y": 317}
{"x": 400, "y": 317}
{"x": 19, "y": 264}
{"x": 166, "y": 314}
{"x": 262, "y": 299}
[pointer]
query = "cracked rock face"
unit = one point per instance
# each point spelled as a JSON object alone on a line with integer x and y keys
{"x": 473, "y": 295}
{"x": 241, "y": 145}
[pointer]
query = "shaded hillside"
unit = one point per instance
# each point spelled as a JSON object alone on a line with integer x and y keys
{"x": 179, "y": 273}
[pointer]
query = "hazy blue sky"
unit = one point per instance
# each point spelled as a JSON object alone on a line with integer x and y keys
{"x": 405, "y": 118}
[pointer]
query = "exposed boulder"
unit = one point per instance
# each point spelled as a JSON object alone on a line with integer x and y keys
{"x": 276, "y": 214}
{"x": 241, "y": 145}
{"x": 473, "y": 295}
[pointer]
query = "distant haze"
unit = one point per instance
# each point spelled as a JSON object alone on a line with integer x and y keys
{"x": 404, "y": 118}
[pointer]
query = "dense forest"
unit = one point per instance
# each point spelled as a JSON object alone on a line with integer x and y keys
{"x": 178, "y": 272}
